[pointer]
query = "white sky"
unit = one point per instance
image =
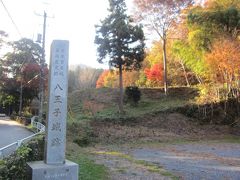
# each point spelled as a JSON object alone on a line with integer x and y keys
{"x": 71, "y": 20}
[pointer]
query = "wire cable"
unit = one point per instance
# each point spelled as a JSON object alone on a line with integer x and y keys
{"x": 9, "y": 15}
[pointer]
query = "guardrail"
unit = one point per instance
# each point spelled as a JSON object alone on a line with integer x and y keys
{"x": 39, "y": 126}
{"x": 9, "y": 149}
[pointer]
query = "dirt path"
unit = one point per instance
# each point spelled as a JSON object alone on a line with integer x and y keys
{"x": 124, "y": 167}
{"x": 188, "y": 161}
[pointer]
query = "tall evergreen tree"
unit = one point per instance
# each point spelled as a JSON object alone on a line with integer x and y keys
{"x": 120, "y": 42}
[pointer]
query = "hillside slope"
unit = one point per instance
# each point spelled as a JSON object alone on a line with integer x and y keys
{"x": 94, "y": 117}
{"x": 103, "y": 103}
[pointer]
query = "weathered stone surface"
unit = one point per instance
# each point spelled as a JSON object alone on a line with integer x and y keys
{"x": 57, "y": 103}
{"x": 39, "y": 170}
{"x": 54, "y": 166}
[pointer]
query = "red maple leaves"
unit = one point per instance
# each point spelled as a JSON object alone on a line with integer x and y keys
{"x": 155, "y": 73}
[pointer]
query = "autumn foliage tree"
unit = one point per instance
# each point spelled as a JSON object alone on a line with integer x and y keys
{"x": 120, "y": 42}
{"x": 191, "y": 58}
{"x": 224, "y": 62}
{"x": 31, "y": 77}
{"x": 21, "y": 66}
{"x": 155, "y": 74}
{"x": 109, "y": 79}
{"x": 130, "y": 78}
{"x": 154, "y": 54}
{"x": 207, "y": 25}
{"x": 160, "y": 16}
{"x": 101, "y": 79}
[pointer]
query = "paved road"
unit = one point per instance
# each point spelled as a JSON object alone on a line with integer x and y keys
{"x": 11, "y": 131}
{"x": 216, "y": 161}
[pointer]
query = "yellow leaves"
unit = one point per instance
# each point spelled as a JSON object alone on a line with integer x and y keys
{"x": 222, "y": 3}
{"x": 110, "y": 79}
{"x": 224, "y": 58}
{"x": 155, "y": 55}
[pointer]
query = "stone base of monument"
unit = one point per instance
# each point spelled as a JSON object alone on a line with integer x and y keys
{"x": 38, "y": 170}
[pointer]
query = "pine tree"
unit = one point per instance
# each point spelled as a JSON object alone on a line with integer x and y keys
{"x": 120, "y": 42}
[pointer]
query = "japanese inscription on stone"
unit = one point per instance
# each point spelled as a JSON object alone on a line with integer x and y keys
{"x": 57, "y": 107}
{"x": 55, "y": 166}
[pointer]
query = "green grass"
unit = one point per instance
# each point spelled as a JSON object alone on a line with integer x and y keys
{"x": 91, "y": 171}
{"x": 147, "y": 165}
{"x": 145, "y": 107}
{"x": 225, "y": 139}
{"x": 232, "y": 139}
{"x": 148, "y": 104}
{"x": 180, "y": 141}
{"x": 88, "y": 169}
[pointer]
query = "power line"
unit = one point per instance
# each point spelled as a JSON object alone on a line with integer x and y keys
{"x": 9, "y": 15}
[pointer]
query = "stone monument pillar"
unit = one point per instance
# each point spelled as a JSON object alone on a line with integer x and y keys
{"x": 54, "y": 166}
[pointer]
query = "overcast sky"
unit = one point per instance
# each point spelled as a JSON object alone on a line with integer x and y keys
{"x": 68, "y": 19}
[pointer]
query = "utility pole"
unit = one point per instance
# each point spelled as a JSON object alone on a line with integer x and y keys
{"x": 21, "y": 97}
{"x": 21, "y": 90}
{"x": 42, "y": 75}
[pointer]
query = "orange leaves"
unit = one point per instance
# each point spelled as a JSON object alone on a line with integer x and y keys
{"x": 224, "y": 59}
{"x": 110, "y": 79}
{"x": 107, "y": 79}
{"x": 155, "y": 74}
{"x": 100, "y": 81}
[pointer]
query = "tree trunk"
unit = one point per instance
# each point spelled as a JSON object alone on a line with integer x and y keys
{"x": 165, "y": 66}
{"x": 198, "y": 78}
{"x": 121, "y": 90}
{"x": 185, "y": 73}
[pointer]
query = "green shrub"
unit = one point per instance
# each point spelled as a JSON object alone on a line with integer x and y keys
{"x": 13, "y": 116}
{"x": 15, "y": 166}
{"x": 82, "y": 141}
{"x": 133, "y": 95}
{"x": 37, "y": 148}
{"x": 85, "y": 136}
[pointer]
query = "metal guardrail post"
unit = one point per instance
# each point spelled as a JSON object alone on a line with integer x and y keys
{"x": 19, "y": 142}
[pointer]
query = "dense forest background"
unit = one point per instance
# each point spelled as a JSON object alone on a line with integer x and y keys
{"x": 197, "y": 44}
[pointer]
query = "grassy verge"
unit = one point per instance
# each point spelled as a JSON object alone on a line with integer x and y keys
{"x": 88, "y": 169}
{"x": 140, "y": 163}
{"x": 179, "y": 141}
{"x": 31, "y": 128}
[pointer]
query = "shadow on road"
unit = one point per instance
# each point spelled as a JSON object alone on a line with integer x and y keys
{"x": 11, "y": 131}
